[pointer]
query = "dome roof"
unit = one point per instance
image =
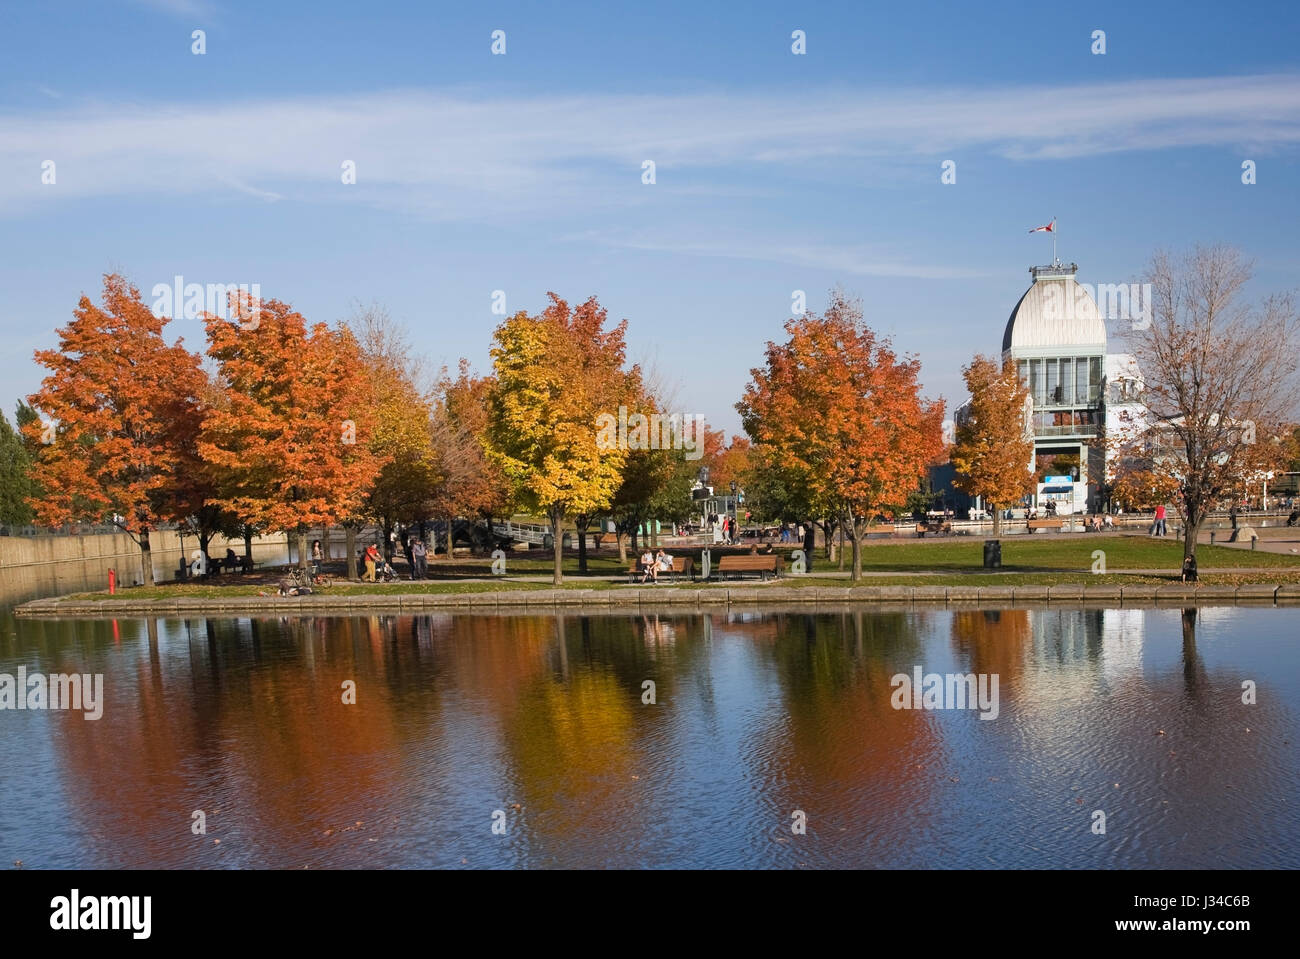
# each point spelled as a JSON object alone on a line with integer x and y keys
{"x": 1055, "y": 312}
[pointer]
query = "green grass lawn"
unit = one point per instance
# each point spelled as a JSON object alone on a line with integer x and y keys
{"x": 1041, "y": 560}
{"x": 1046, "y": 551}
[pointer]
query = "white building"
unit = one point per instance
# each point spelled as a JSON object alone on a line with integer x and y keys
{"x": 1056, "y": 335}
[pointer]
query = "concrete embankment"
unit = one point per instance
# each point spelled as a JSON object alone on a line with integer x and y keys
{"x": 635, "y": 600}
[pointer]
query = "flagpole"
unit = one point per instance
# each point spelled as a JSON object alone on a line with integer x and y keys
{"x": 1054, "y": 259}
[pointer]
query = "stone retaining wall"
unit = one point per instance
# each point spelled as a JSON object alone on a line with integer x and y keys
{"x": 660, "y": 599}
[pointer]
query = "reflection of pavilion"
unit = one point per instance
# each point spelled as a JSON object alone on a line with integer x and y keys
{"x": 1122, "y": 631}
{"x": 1067, "y": 635}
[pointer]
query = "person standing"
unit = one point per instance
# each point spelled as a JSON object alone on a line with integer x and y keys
{"x": 420, "y": 553}
{"x": 1160, "y": 520}
{"x": 1232, "y": 515}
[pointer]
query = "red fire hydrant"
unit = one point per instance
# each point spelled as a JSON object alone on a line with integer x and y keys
{"x": 112, "y": 581}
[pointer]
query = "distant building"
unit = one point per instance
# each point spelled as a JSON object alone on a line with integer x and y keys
{"x": 1056, "y": 336}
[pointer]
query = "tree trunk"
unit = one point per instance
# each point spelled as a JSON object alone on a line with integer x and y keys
{"x": 388, "y": 539}
{"x": 146, "y": 557}
{"x": 622, "y": 544}
{"x": 1191, "y": 529}
{"x": 855, "y": 527}
{"x": 839, "y": 532}
{"x": 350, "y": 547}
{"x": 248, "y": 547}
{"x": 581, "y": 523}
{"x": 830, "y": 527}
{"x": 557, "y": 544}
{"x": 997, "y": 520}
{"x": 450, "y": 541}
{"x": 300, "y": 536}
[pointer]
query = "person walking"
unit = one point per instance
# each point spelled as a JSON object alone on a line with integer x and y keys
{"x": 1160, "y": 520}
{"x": 372, "y": 561}
{"x": 420, "y": 554}
{"x": 1232, "y": 515}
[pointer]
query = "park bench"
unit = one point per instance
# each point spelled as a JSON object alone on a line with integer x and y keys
{"x": 932, "y": 527}
{"x": 1054, "y": 522}
{"x": 682, "y": 566}
{"x": 764, "y": 565}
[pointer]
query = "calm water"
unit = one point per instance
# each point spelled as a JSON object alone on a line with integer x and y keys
{"x": 756, "y": 716}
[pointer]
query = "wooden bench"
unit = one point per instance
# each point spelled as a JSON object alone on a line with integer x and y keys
{"x": 1054, "y": 522}
{"x": 764, "y": 564}
{"x": 682, "y": 566}
{"x": 923, "y": 528}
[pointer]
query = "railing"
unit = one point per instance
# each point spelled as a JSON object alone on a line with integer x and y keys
{"x": 1077, "y": 429}
{"x": 523, "y": 532}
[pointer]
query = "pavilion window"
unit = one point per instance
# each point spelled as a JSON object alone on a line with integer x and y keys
{"x": 1067, "y": 382}
{"x": 1081, "y": 380}
{"x": 1094, "y": 379}
{"x": 1037, "y": 385}
{"x": 1053, "y": 383}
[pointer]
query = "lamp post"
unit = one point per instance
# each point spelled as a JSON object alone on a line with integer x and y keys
{"x": 734, "y": 512}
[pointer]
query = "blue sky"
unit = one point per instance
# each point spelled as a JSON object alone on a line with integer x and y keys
{"x": 522, "y": 172}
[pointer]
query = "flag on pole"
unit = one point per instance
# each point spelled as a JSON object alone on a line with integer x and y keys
{"x": 1050, "y": 228}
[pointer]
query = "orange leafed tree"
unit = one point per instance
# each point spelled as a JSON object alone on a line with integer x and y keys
{"x": 122, "y": 411}
{"x": 835, "y": 412}
{"x": 993, "y": 448}
{"x": 473, "y": 486}
{"x": 292, "y": 434}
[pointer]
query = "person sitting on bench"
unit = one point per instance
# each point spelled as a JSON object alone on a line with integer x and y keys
{"x": 649, "y": 567}
{"x": 663, "y": 562}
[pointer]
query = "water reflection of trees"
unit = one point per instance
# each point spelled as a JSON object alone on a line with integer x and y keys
{"x": 836, "y": 746}
{"x": 993, "y": 641}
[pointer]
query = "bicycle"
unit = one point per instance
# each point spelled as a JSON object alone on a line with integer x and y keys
{"x": 312, "y": 578}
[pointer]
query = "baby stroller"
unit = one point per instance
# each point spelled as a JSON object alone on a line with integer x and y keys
{"x": 384, "y": 572}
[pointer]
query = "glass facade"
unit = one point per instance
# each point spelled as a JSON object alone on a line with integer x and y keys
{"x": 1063, "y": 381}
{"x": 1066, "y": 392}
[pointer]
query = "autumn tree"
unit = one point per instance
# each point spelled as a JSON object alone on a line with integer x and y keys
{"x": 402, "y": 489}
{"x": 554, "y": 373}
{"x": 120, "y": 406}
{"x": 994, "y": 443}
{"x": 473, "y": 485}
{"x": 293, "y": 432}
{"x": 836, "y": 413}
{"x": 657, "y": 476}
{"x": 1218, "y": 375}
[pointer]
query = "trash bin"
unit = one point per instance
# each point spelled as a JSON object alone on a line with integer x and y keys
{"x": 992, "y": 554}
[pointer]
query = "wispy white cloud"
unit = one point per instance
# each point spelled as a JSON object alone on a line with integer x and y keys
{"x": 179, "y": 8}
{"x": 468, "y": 155}
{"x": 856, "y": 259}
